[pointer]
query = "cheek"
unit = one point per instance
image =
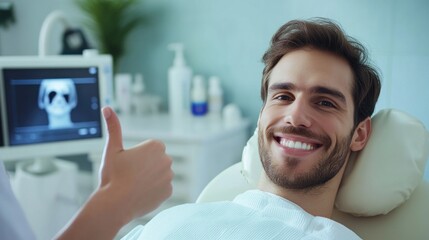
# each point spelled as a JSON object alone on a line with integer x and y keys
{"x": 263, "y": 123}
{"x": 338, "y": 131}
{"x": 268, "y": 116}
{"x": 262, "y": 118}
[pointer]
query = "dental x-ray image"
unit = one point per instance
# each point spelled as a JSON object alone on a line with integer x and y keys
{"x": 58, "y": 98}
{"x": 52, "y": 104}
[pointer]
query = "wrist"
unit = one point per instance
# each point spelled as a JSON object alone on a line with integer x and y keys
{"x": 100, "y": 218}
{"x": 111, "y": 204}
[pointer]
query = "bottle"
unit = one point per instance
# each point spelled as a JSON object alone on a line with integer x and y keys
{"x": 138, "y": 85}
{"x": 198, "y": 96}
{"x": 215, "y": 99}
{"x": 138, "y": 91}
{"x": 179, "y": 83}
{"x": 123, "y": 87}
{"x": 231, "y": 115}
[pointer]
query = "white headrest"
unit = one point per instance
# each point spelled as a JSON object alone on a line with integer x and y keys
{"x": 381, "y": 176}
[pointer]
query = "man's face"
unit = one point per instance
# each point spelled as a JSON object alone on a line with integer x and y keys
{"x": 306, "y": 124}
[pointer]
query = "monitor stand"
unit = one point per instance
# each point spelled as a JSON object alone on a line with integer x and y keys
{"x": 41, "y": 166}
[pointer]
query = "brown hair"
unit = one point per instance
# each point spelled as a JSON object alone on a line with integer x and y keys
{"x": 325, "y": 35}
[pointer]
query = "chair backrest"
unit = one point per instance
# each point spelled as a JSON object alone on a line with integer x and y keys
{"x": 394, "y": 200}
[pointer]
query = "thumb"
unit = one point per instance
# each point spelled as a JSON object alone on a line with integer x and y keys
{"x": 114, "y": 136}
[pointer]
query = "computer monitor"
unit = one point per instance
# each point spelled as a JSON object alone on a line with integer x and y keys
{"x": 51, "y": 105}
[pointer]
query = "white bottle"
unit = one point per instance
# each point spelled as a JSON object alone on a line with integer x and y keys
{"x": 138, "y": 91}
{"x": 198, "y": 96}
{"x": 179, "y": 83}
{"x": 215, "y": 99}
{"x": 123, "y": 92}
{"x": 138, "y": 86}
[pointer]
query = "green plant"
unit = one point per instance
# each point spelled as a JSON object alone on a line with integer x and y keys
{"x": 111, "y": 21}
{"x": 7, "y": 16}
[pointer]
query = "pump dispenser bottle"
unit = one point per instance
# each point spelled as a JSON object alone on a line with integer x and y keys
{"x": 179, "y": 83}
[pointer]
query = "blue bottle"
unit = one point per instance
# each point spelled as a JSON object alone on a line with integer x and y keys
{"x": 198, "y": 96}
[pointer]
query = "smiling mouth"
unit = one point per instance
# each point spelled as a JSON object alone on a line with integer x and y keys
{"x": 297, "y": 144}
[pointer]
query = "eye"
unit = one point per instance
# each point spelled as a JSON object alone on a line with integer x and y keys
{"x": 326, "y": 103}
{"x": 283, "y": 97}
{"x": 51, "y": 96}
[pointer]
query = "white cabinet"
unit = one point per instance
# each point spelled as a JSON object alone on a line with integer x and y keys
{"x": 200, "y": 147}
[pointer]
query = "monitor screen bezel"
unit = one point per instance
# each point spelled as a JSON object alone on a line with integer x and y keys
{"x": 64, "y": 147}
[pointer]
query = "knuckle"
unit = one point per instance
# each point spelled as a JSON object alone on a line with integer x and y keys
{"x": 170, "y": 176}
{"x": 169, "y": 161}
{"x": 156, "y": 144}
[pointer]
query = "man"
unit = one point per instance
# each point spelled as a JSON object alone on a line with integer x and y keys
{"x": 318, "y": 95}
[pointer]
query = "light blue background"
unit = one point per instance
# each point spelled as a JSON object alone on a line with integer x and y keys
{"x": 228, "y": 37}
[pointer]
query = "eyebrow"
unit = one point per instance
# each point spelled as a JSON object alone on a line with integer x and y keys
{"x": 317, "y": 89}
{"x": 329, "y": 91}
{"x": 282, "y": 86}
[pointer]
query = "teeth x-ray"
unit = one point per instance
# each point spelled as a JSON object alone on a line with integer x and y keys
{"x": 58, "y": 98}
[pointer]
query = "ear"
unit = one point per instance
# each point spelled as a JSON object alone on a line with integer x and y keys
{"x": 361, "y": 135}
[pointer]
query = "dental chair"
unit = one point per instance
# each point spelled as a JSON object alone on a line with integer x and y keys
{"x": 382, "y": 195}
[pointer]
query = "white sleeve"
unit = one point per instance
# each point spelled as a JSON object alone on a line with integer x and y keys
{"x": 13, "y": 224}
{"x": 134, "y": 234}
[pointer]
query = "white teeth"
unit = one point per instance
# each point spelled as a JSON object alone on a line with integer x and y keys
{"x": 296, "y": 144}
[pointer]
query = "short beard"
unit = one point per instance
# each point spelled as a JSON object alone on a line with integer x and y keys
{"x": 325, "y": 170}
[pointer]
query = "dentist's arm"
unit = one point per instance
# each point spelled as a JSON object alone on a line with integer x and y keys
{"x": 133, "y": 183}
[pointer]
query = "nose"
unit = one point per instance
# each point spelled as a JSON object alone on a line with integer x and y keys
{"x": 298, "y": 114}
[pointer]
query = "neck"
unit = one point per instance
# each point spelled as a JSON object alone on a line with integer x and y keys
{"x": 318, "y": 201}
{"x": 59, "y": 121}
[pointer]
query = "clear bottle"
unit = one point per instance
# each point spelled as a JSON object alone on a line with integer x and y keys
{"x": 179, "y": 82}
{"x": 215, "y": 97}
{"x": 198, "y": 96}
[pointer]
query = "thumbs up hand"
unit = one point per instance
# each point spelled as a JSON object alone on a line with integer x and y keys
{"x": 138, "y": 178}
{"x": 133, "y": 182}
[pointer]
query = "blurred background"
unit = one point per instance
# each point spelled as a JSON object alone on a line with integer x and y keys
{"x": 227, "y": 39}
